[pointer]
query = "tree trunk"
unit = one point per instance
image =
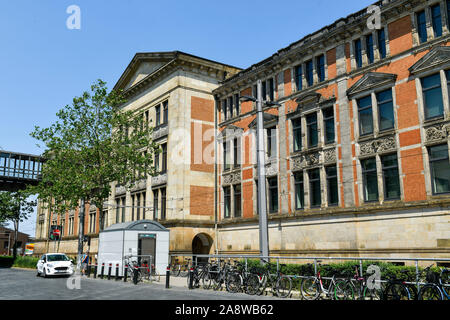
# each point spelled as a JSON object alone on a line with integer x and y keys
{"x": 16, "y": 233}
{"x": 81, "y": 215}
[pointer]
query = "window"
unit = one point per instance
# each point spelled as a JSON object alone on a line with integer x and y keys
{"x": 320, "y": 60}
{"x": 328, "y": 119}
{"x": 332, "y": 184}
{"x": 311, "y": 125}
{"x": 299, "y": 191}
{"x": 226, "y": 155}
{"x": 439, "y": 169}
{"x": 227, "y": 202}
{"x": 309, "y": 73}
{"x": 422, "y": 26}
{"x": 264, "y": 90}
{"x": 123, "y": 209}
{"x": 164, "y": 157}
{"x": 163, "y": 204}
{"x": 385, "y": 109}
{"x": 297, "y": 134}
{"x": 381, "y": 43}
{"x": 358, "y": 53}
{"x": 230, "y": 106}
{"x": 255, "y": 92}
{"x": 314, "y": 188}
{"x": 369, "y": 48}
{"x": 133, "y": 206}
{"x": 138, "y": 207}
{"x": 155, "y": 204}
{"x": 143, "y": 205}
{"x": 432, "y": 96}
{"x": 117, "y": 210}
{"x": 224, "y": 107}
{"x": 436, "y": 20}
{"x": 271, "y": 90}
{"x": 298, "y": 77}
{"x": 92, "y": 218}
{"x": 158, "y": 115}
{"x": 273, "y": 194}
{"x": 237, "y": 201}
{"x": 237, "y": 152}
{"x": 389, "y": 164}
{"x": 165, "y": 111}
{"x": 271, "y": 142}
{"x": 370, "y": 183}
{"x": 236, "y": 103}
{"x": 157, "y": 161}
{"x": 365, "y": 115}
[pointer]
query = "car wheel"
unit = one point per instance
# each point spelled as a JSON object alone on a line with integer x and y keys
{"x": 45, "y": 273}
{"x": 38, "y": 274}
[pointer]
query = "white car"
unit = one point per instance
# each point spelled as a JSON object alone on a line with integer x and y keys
{"x": 54, "y": 264}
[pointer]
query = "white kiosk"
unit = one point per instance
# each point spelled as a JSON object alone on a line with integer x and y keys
{"x": 140, "y": 238}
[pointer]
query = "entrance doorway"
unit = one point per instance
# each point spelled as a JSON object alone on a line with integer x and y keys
{"x": 201, "y": 244}
{"x": 146, "y": 246}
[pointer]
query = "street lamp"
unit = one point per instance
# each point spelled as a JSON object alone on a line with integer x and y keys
{"x": 261, "y": 164}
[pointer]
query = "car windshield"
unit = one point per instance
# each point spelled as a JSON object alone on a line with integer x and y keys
{"x": 57, "y": 257}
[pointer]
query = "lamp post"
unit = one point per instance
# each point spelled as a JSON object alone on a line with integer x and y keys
{"x": 261, "y": 164}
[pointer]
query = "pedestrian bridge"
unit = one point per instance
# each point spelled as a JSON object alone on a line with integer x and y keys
{"x": 17, "y": 170}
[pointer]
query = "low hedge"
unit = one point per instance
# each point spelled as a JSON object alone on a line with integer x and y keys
{"x": 20, "y": 262}
{"x": 6, "y": 261}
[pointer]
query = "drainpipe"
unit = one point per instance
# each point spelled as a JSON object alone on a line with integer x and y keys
{"x": 215, "y": 176}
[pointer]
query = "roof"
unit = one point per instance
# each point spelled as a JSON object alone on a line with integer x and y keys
{"x": 141, "y": 225}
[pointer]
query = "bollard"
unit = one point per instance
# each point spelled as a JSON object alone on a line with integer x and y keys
{"x": 191, "y": 278}
{"x": 103, "y": 270}
{"x": 109, "y": 271}
{"x": 125, "y": 273}
{"x": 95, "y": 270}
{"x": 117, "y": 271}
{"x": 88, "y": 270}
{"x": 167, "y": 277}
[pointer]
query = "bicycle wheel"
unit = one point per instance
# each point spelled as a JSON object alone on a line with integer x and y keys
{"x": 430, "y": 292}
{"x": 310, "y": 289}
{"x": 372, "y": 294}
{"x": 233, "y": 283}
{"x": 396, "y": 291}
{"x": 184, "y": 272}
{"x": 252, "y": 284}
{"x": 137, "y": 276}
{"x": 283, "y": 287}
{"x": 206, "y": 281}
{"x": 445, "y": 281}
{"x": 343, "y": 290}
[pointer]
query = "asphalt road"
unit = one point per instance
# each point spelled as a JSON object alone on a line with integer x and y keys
{"x": 18, "y": 284}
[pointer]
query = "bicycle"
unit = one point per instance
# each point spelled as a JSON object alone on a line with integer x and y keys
{"x": 346, "y": 288}
{"x": 280, "y": 284}
{"x": 135, "y": 272}
{"x": 243, "y": 281}
{"x": 184, "y": 269}
{"x": 313, "y": 288}
{"x": 397, "y": 289}
{"x": 437, "y": 286}
{"x": 175, "y": 268}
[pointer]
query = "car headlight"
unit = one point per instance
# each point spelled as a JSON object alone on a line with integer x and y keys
{"x": 50, "y": 265}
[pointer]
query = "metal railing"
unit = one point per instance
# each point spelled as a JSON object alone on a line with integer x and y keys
{"x": 145, "y": 270}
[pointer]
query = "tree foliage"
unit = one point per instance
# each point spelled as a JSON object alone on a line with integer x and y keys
{"x": 93, "y": 144}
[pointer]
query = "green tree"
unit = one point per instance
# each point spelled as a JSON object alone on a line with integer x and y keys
{"x": 15, "y": 207}
{"x": 93, "y": 144}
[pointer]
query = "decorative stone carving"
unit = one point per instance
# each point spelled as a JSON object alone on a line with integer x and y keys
{"x": 159, "y": 179}
{"x": 371, "y": 80}
{"x": 271, "y": 168}
{"x": 379, "y": 145}
{"x": 305, "y": 160}
{"x": 434, "y": 58}
{"x": 120, "y": 190}
{"x": 160, "y": 132}
{"x": 139, "y": 185}
{"x": 329, "y": 155}
{"x": 437, "y": 132}
{"x": 231, "y": 178}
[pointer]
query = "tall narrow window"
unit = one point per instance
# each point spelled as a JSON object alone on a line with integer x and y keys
{"x": 385, "y": 110}
{"x": 271, "y": 142}
{"x": 389, "y": 164}
{"x": 365, "y": 115}
{"x": 297, "y": 134}
{"x": 440, "y": 169}
{"x": 227, "y": 202}
{"x": 164, "y": 157}
{"x": 163, "y": 204}
{"x": 133, "y": 206}
{"x": 143, "y": 205}
{"x": 155, "y": 204}
{"x": 165, "y": 111}
{"x": 264, "y": 90}
{"x": 157, "y": 156}
{"x": 447, "y": 75}
{"x": 236, "y": 152}
{"x": 226, "y": 155}
{"x": 358, "y": 53}
{"x": 158, "y": 115}
{"x": 314, "y": 188}
{"x": 123, "y": 209}
{"x": 332, "y": 185}
{"x": 230, "y": 106}
{"x": 422, "y": 26}
{"x": 328, "y": 119}
{"x": 369, "y": 48}
{"x": 255, "y": 91}
{"x": 271, "y": 90}
{"x": 299, "y": 191}
{"x": 436, "y": 20}
{"x": 225, "y": 110}
{"x": 236, "y": 103}
{"x": 370, "y": 183}
{"x": 298, "y": 77}
{"x": 273, "y": 194}
{"x": 237, "y": 201}
{"x": 432, "y": 96}
{"x": 381, "y": 43}
{"x": 117, "y": 210}
{"x": 321, "y": 67}
{"x": 138, "y": 207}
{"x": 146, "y": 118}
{"x": 311, "y": 124}
{"x": 309, "y": 73}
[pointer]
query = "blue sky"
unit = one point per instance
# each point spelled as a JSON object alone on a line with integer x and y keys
{"x": 43, "y": 64}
